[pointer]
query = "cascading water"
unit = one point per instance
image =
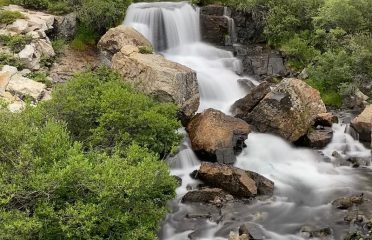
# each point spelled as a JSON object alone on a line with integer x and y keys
{"x": 305, "y": 183}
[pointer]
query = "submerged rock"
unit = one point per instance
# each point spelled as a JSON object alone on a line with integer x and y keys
{"x": 363, "y": 124}
{"x": 318, "y": 233}
{"x": 288, "y": 110}
{"x": 207, "y": 195}
{"x": 348, "y": 202}
{"x": 316, "y": 138}
{"x": 237, "y": 182}
{"x": 217, "y": 137}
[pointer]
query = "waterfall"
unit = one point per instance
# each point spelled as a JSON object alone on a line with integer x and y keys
{"x": 166, "y": 25}
{"x": 305, "y": 183}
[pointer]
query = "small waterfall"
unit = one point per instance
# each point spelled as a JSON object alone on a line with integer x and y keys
{"x": 231, "y": 38}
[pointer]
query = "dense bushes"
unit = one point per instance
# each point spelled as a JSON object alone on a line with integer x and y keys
{"x": 54, "y": 187}
{"x": 104, "y": 113}
{"x": 332, "y": 38}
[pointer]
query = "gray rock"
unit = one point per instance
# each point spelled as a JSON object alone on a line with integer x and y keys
{"x": 65, "y": 26}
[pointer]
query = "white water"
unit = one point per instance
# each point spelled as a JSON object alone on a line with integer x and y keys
{"x": 304, "y": 182}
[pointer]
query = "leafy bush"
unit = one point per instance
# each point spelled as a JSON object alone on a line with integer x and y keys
{"x": 16, "y": 43}
{"x": 8, "y": 17}
{"x": 51, "y": 189}
{"x": 7, "y": 59}
{"x": 33, "y": 4}
{"x": 84, "y": 38}
{"x": 106, "y": 114}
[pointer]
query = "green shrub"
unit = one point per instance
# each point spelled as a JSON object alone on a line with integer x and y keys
{"x": 59, "y": 45}
{"x": 7, "y": 59}
{"x": 8, "y": 17}
{"x": 104, "y": 113}
{"x": 33, "y": 4}
{"x": 59, "y": 7}
{"x": 16, "y": 43}
{"x": 146, "y": 50}
{"x": 84, "y": 38}
{"x": 51, "y": 189}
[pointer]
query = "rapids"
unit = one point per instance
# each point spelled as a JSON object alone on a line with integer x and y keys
{"x": 306, "y": 181}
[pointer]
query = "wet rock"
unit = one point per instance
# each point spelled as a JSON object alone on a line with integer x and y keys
{"x": 178, "y": 179}
{"x": 357, "y": 100}
{"x": 206, "y": 195}
{"x": 261, "y": 62}
{"x": 339, "y": 160}
{"x": 359, "y": 161}
{"x": 214, "y": 29}
{"x": 247, "y": 84}
{"x": 325, "y": 119}
{"x": 217, "y": 137}
{"x": 288, "y": 110}
{"x": 236, "y": 236}
{"x": 194, "y": 174}
{"x": 116, "y": 38}
{"x": 235, "y": 181}
{"x": 316, "y": 138}
{"x": 156, "y": 76}
{"x": 243, "y": 106}
{"x": 363, "y": 124}
{"x": 318, "y": 233}
{"x": 348, "y": 202}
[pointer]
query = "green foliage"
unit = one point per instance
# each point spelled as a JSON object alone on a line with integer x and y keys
{"x": 104, "y": 113}
{"x": 33, "y": 4}
{"x": 7, "y": 59}
{"x": 59, "y": 45}
{"x": 51, "y": 189}
{"x": 146, "y": 50}
{"x": 8, "y": 17}
{"x": 16, "y": 43}
{"x": 4, "y": 3}
{"x": 84, "y": 39}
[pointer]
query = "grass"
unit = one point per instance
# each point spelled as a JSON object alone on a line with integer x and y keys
{"x": 84, "y": 39}
{"x": 4, "y": 3}
{"x": 331, "y": 98}
{"x": 145, "y": 50}
{"x": 7, "y": 59}
{"x": 8, "y": 17}
{"x": 16, "y": 43}
{"x": 59, "y": 45}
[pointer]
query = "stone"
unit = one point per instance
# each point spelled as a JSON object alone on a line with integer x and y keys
{"x": 22, "y": 86}
{"x": 116, "y": 38}
{"x": 288, "y": 110}
{"x": 237, "y": 182}
{"x": 27, "y": 55}
{"x": 325, "y": 120}
{"x": 363, "y": 124}
{"x": 65, "y": 26}
{"x": 316, "y": 138}
{"x": 205, "y": 195}
{"x": 357, "y": 100}
{"x": 44, "y": 48}
{"x": 243, "y": 106}
{"x": 6, "y": 73}
{"x": 16, "y": 106}
{"x": 154, "y": 75}
{"x": 214, "y": 29}
{"x": 319, "y": 233}
{"x": 19, "y": 26}
{"x": 348, "y": 202}
{"x": 247, "y": 84}
{"x": 260, "y": 62}
{"x": 217, "y": 137}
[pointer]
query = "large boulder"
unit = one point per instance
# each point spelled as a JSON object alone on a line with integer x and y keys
{"x": 165, "y": 80}
{"x": 65, "y": 26}
{"x": 363, "y": 124}
{"x": 214, "y": 25}
{"x": 25, "y": 87}
{"x": 288, "y": 110}
{"x": 217, "y": 137}
{"x": 235, "y": 181}
{"x": 316, "y": 138}
{"x": 116, "y": 38}
{"x": 247, "y": 103}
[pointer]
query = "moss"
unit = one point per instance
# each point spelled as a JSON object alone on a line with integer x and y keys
{"x": 146, "y": 50}
{"x": 331, "y": 98}
{"x": 8, "y": 17}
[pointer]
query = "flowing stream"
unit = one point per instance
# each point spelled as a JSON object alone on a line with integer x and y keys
{"x": 306, "y": 181}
